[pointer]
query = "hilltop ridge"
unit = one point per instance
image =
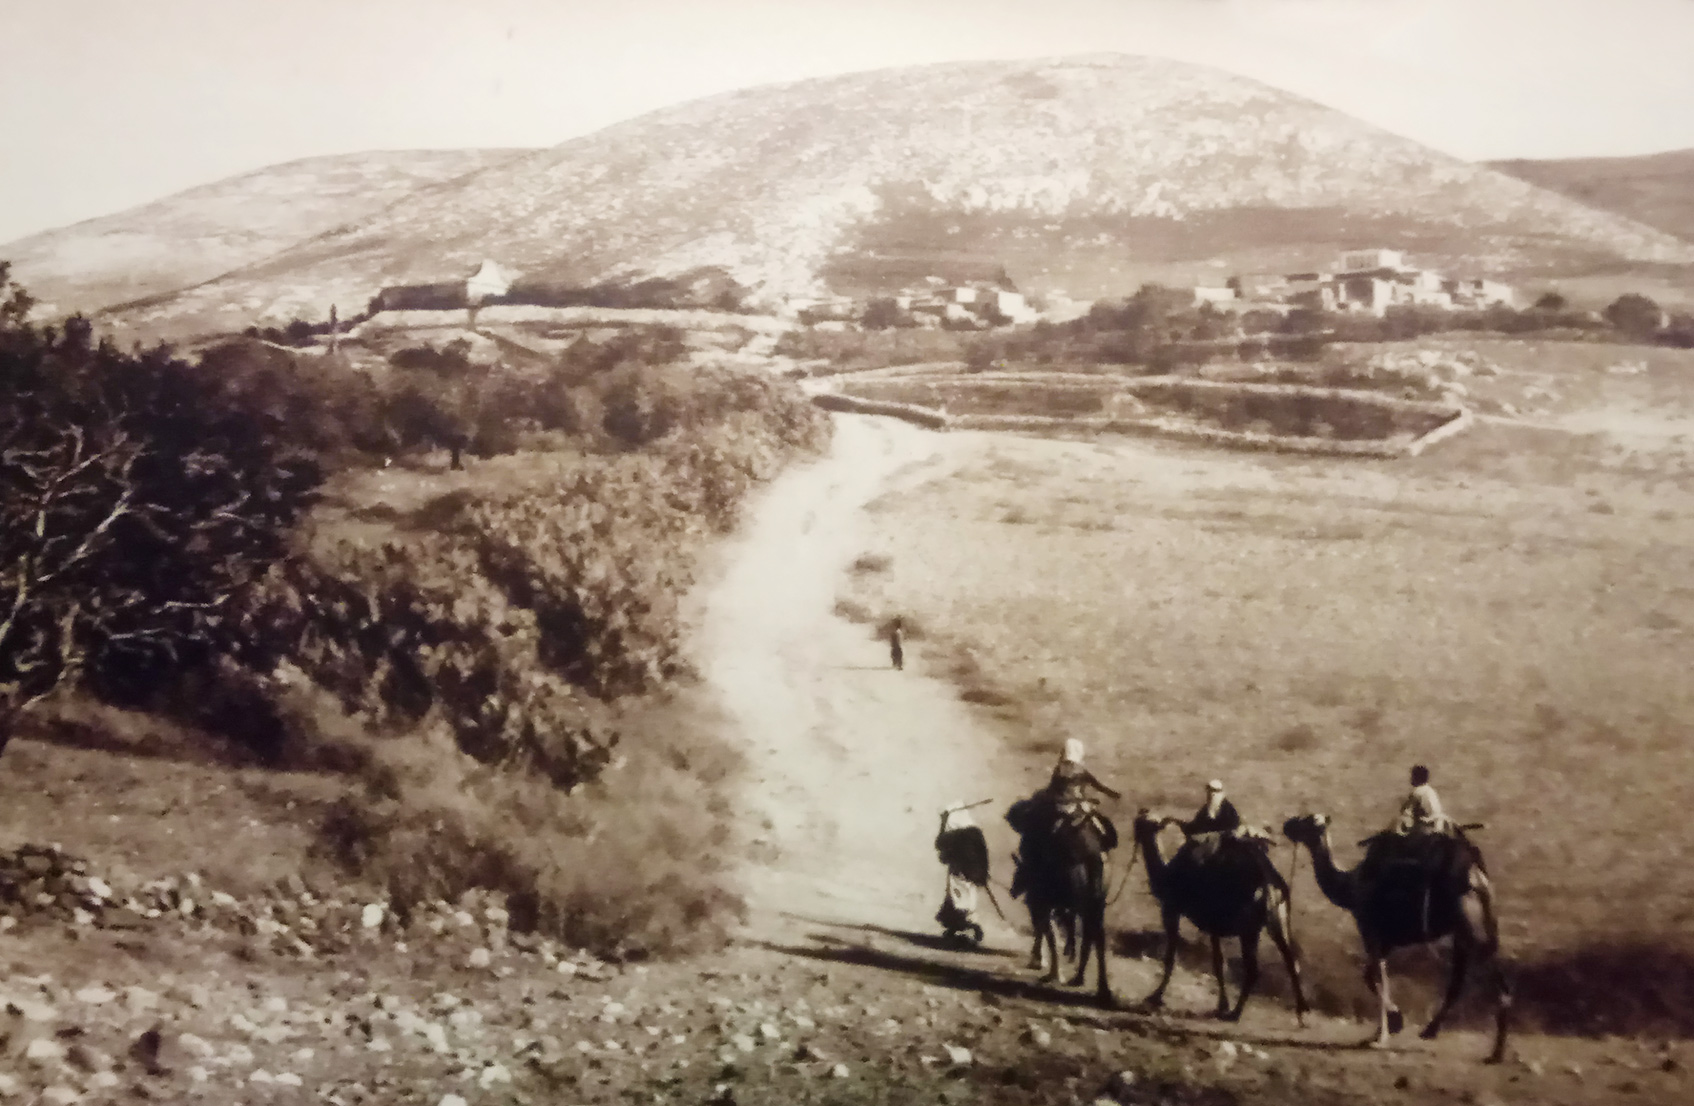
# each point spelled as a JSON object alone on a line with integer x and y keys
{"x": 1086, "y": 176}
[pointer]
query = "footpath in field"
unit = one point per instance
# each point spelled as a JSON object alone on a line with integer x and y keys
{"x": 851, "y": 761}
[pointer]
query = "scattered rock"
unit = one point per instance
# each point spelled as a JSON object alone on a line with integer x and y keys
{"x": 480, "y": 958}
{"x": 957, "y": 1055}
{"x": 146, "y": 1050}
{"x": 839, "y": 1071}
{"x": 59, "y": 1095}
{"x": 371, "y": 916}
{"x": 43, "y": 1051}
{"x": 1038, "y": 1037}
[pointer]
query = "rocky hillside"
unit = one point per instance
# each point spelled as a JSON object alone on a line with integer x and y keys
{"x": 205, "y": 232}
{"x": 1655, "y": 189}
{"x": 1085, "y": 175}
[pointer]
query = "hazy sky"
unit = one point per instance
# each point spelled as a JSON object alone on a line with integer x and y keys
{"x": 110, "y": 103}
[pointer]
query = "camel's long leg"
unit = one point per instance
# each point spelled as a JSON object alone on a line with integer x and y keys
{"x": 1173, "y": 922}
{"x": 1097, "y": 913}
{"x": 1217, "y": 973}
{"x": 1455, "y": 985}
{"x": 1276, "y": 924}
{"x": 1379, "y": 966}
{"x": 1249, "y": 972}
{"x": 1502, "y": 1010}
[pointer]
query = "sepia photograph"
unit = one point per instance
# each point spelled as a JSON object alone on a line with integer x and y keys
{"x": 777, "y": 552}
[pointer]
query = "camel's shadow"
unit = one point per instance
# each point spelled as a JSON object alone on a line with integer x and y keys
{"x": 832, "y": 949}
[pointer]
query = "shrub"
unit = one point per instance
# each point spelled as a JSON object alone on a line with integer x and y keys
{"x": 138, "y": 494}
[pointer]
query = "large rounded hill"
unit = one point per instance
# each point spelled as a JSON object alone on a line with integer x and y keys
{"x": 1083, "y": 175}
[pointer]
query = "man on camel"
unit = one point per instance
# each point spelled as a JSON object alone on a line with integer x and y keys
{"x": 1065, "y": 799}
{"x": 1216, "y": 815}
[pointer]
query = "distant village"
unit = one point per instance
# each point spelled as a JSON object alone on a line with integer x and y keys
{"x": 1369, "y": 281}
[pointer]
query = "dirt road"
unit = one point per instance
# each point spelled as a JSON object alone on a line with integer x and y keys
{"x": 851, "y": 760}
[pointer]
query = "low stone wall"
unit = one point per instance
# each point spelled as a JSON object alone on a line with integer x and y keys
{"x": 517, "y": 314}
{"x": 1127, "y": 412}
{"x": 910, "y": 412}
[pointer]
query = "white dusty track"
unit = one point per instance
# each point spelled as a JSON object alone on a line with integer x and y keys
{"x": 851, "y": 761}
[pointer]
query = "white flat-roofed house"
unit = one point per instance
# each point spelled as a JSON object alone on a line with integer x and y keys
{"x": 1218, "y": 294}
{"x": 1013, "y": 307}
{"x": 490, "y": 281}
{"x": 1476, "y": 292}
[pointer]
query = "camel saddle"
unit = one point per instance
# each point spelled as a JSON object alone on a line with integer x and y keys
{"x": 1439, "y": 857}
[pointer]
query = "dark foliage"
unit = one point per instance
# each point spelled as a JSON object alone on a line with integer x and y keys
{"x": 138, "y": 494}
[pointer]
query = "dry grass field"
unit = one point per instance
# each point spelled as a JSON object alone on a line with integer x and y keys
{"x": 1514, "y": 609}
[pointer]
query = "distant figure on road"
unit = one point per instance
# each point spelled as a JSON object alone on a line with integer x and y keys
{"x": 1218, "y": 815}
{"x": 895, "y": 652}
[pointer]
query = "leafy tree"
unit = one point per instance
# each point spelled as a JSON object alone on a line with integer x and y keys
{"x": 137, "y": 496}
{"x": 1634, "y": 315}
{"x": 880, "y": 314}
{"x": 1551, "y": 301}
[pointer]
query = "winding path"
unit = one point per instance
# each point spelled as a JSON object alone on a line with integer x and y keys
{"x": 851, "y": 761}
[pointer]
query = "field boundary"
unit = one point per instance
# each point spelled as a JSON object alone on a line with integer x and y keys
{"x": 1454, "y": 418}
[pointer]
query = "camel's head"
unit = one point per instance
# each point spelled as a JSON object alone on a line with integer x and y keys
{"x": 1306, "y": 829}
{"x": 1148, "y": 824}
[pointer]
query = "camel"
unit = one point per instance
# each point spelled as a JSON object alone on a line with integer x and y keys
{"x": 1065, "y": 875}
{"x": 1226, "y": 891}
{"x": 1396, "y": 905}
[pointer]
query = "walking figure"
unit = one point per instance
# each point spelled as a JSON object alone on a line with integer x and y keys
{"x": 895, "y": 652}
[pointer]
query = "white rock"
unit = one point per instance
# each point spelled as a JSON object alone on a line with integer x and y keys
{"x": 839, "y": 1071}
{"x": 372, "y": 915}
{"x": 480, "y": 958}
{"x": 260, "y": 1076}
{"x": 238, "y": 1055}
{"x": 276, "y": 1004}
{"x": 743, "y": 1042}
{"x": 452, "y": 1100}
{"x": 303, "y": 1055}
{"x": 436, "y": 1036}
{"x": 957, "y": 1055}
{"x": 769, "y": 1032}
{"x": 492, "y": 1074}
{"x": 104, "y": 1080}
{"x": 9, "y": 1085}
{"x": 140, "y": 999}
{"x": 198, "y": 1047}
{"x": 566, "y": 968}
{"x": 60, "y": 1096}
{"x": 288, "y": 1079}
{"x": 199, "y": 1074}
{"x": 43, "y": 1051}
{"x": 99, "y": 888}
{"x": 33, "y": 1011}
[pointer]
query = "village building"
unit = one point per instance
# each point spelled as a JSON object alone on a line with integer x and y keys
{"x": 1370, "y": 282}
{"x": 490, "y": 281}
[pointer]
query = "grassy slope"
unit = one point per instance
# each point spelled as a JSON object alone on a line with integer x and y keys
{"x": 1511, "y": 609}
{"x": 1651, "y": 189}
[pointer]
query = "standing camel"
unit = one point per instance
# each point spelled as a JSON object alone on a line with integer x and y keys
{"x": 1064, "y": 873}
{"x": 1400, "y": 904}
{"x": 1227, "y": 888}
{"x": 1032, "y": 819}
